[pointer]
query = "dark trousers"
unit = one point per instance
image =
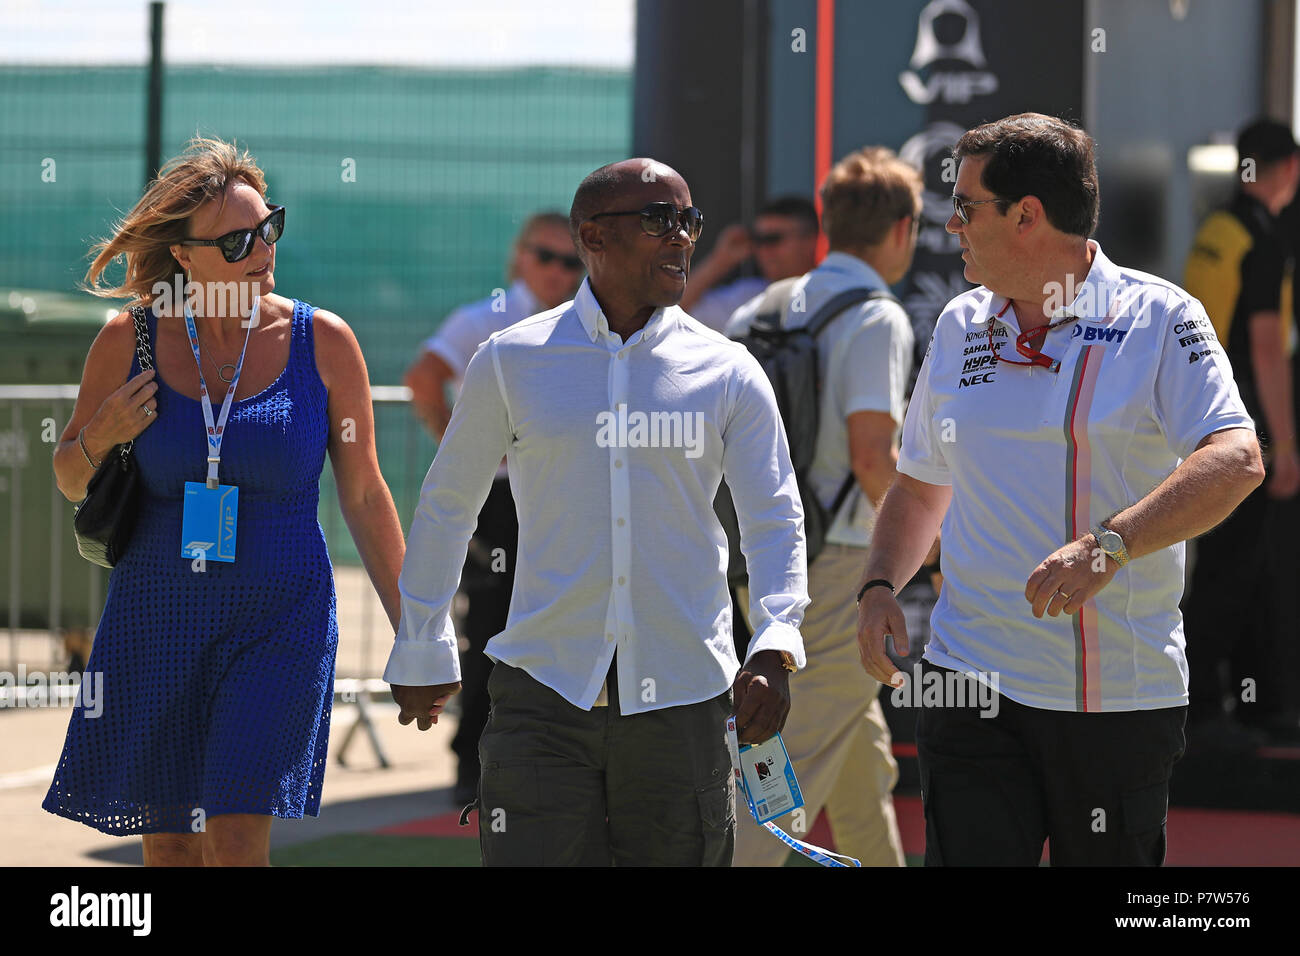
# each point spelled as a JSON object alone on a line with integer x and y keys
{"x": 563, "y": 786}
{"x": 487, "y": 591}
{"x": 1239, "y": 612}
{"x": 1095, "y": 785}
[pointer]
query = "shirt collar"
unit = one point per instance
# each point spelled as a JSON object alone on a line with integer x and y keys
{"x": 852, "y": 266}
{"x": 1101, "y": 285}
{"x": 595, "y": 324}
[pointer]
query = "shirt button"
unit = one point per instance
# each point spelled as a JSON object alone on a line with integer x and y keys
{"x": 621, "y": 356}
{"x": 609, "y": 636}
{"x": 621, "y": 522}
{"x": 618, "y": 462}
{"x": 622, "y": 580}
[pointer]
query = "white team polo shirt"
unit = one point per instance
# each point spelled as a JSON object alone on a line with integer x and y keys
{"x": 1036, "y": 459}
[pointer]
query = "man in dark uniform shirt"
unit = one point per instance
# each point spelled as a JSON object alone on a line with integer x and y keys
{"x": 1240, "y": 267}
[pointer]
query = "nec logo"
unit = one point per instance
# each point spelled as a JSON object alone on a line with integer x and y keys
{"x": 1097, "y": 333}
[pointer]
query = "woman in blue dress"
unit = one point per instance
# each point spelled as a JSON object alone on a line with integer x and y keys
{"x": 218, "y": 675}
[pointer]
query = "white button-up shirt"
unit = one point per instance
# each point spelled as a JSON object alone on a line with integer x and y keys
{"x": 1036, "y": 459}
{"x": 615, "y": 452}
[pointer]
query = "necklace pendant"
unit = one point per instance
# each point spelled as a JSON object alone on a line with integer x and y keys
{"x": 222, "y": 372}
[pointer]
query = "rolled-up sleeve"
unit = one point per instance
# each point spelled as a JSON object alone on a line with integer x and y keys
{"x": 756, "y": 466}
{"x": 478, "y": 435}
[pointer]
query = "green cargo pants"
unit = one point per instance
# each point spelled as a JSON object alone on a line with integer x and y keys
{"x": 570, "y": 787}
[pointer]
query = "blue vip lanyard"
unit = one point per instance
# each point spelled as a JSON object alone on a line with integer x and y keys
{"x": 216, "y": 428}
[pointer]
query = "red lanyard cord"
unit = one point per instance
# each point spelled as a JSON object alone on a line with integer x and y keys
{"x": 1024, "y": 348}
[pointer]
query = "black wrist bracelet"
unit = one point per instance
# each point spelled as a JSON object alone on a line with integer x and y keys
{"x": 875, "y": 582}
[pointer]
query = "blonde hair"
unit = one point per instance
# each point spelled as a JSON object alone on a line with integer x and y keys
{"x": 864, "y": 194}
{"x": 159, "y": 220}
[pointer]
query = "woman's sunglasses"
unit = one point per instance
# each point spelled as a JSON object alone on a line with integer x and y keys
{"x": 660, "y": 218}
{"x": 236, "y": 245}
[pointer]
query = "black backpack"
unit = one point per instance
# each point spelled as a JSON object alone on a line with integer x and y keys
{"x": 790, "y": 359}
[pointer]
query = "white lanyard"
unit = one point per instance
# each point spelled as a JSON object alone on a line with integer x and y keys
{"x": 215, "y": 429}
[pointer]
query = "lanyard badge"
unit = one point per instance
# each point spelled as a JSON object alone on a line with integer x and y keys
{"x": 210, "y": 517}
{"x": 766, "y": 777}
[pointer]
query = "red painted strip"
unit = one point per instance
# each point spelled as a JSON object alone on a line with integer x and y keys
{"x": 824, "y": 108}
{"x": 904, "y": 749}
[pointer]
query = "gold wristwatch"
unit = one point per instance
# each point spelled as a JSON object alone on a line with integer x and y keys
{"x": 1111, "y": 544}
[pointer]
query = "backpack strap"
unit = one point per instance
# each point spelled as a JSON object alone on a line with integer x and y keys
{"x": 837, "y": 304}
{"x": 775, "y": 298}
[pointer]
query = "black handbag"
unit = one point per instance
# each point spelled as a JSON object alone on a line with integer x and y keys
{"x": 105, "y": 519}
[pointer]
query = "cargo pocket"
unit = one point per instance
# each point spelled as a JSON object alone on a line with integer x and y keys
{"x": 1146, "y": 812}
{"x": 717, "y": 805}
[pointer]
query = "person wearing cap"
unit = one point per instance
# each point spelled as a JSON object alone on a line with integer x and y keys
{"x": 1068, "y": 443}
{"x": 1240, "y": 267}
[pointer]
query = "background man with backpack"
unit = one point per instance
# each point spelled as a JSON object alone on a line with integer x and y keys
{"x": 836, "y": 733}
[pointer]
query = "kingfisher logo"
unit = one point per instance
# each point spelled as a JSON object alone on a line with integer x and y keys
{"x": 1098, "y": 334}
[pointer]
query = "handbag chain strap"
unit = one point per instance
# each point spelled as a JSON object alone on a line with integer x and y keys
{"x": 142, "y": 353}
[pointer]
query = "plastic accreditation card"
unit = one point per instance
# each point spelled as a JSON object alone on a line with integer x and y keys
{"x": 766, "y": 777}
{"x": 209, "y": 521}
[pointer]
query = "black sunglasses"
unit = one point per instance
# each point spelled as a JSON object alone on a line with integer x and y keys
{"x": 660, "y": 218}
{"x": 546, "y": 256}
{"x": 236, "y": 245}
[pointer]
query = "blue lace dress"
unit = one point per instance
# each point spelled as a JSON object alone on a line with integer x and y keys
{"x": 216, "y": 683}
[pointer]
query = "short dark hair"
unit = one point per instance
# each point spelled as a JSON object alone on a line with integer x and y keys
{"x": 1266, "y": 141}
{"x": 1035, "y": 155}
{"x": 792, "y": 207}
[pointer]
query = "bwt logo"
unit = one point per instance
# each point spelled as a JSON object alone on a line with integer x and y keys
{"x": 651, "y": 430}
{"x": 1097, "y": 333}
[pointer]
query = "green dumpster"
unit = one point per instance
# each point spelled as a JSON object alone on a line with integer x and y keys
{"x": 44, "y": 338}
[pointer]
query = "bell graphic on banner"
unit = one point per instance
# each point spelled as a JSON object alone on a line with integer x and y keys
{"x": 948, "y": 86}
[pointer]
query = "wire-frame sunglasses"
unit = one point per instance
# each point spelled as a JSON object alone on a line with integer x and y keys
{"x": 235, "y": 246}
{"x": 960, "y": 206}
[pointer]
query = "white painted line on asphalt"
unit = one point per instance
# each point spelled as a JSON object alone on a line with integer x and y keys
{"x": 28, "y": 778}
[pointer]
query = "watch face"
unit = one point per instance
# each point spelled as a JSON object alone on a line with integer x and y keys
{"x": 1111, "y": 542}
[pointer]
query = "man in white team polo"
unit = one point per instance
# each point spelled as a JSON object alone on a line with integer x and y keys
{"x": 1069, "y": 436}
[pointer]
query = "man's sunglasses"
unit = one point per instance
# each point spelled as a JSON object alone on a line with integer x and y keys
{"x": 546, "y": 256}
{"x": 775, "y": 238}
{"x": 960, "y": 206}
{"x": 236, "y": 245}
{"x": 660, "y": 218}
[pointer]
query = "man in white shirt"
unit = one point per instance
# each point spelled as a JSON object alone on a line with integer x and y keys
{"x": 1069, "y": 436}
{"x": 544, "y": 271}
{"x": 618, "y": 415}
{"x": 837, "y": 737}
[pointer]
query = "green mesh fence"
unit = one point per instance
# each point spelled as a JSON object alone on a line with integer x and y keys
{"x": 447, "y": 164}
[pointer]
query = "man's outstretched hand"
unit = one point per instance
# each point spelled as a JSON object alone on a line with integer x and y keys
{"x": 422, "y": 704}
{"x": 762, "y": 695}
